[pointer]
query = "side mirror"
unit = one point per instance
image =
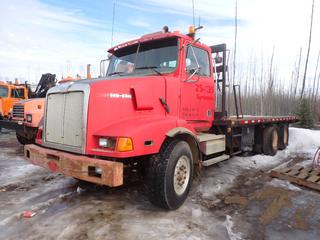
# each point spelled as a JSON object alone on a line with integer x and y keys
{"x": 192, "y": 72}
{"x": 218, "y": 59}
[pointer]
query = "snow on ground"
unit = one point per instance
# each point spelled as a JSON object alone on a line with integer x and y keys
{"x": 64, "y": 213}
{"x": 221, "y": 176}
{"x": 11, "y": 174}
{"x": 303, "y": 140}
{"x": 283, "y": 184}
{"x": 229, "y": 225}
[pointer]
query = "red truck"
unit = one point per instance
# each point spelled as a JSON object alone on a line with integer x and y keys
{"x": 160, "y": 111}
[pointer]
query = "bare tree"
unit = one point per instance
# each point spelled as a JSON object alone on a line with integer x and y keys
{"x": 261, "y": 85}
{"x": 308, "y": 52}
{"x": 271, "y": 75}
{"x": 297, "y": 75}
{"x": 235, "y": 40}
{"x": 315, "y": 79}
{"x": 317, "y": 91}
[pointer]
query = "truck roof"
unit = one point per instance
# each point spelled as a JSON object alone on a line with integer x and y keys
{"x": 153, "y": 36}
{"x": 11, "y": 85}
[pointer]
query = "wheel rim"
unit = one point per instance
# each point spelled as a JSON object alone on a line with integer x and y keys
{"x": 274, "y": 140}
{"x": 181, "y": 175}
{"x": 285, "y": 136}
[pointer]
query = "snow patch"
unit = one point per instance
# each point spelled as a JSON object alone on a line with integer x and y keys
{"x": 303, "y": 140}
{"x": 12, "y": 174}
{"x": 283, "y": 184}
{"x": 39, "y": 207}
{"x": 218, "y": 178}
{"x": 229, "y": 225}
{"x": 196, "y": 213}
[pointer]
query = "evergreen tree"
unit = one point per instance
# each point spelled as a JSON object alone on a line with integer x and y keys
{"x": 305, "y": 114}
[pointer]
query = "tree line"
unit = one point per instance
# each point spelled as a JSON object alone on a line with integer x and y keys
{"x": 265, "y": 92}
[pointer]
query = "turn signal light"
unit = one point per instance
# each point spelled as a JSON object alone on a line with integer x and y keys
{"x": 124, "y": 144}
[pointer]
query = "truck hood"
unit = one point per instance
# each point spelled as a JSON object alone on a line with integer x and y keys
{"x": 109, "y": 102}
{"x": 113, "y": 100}
{"x": 22, "y": 102}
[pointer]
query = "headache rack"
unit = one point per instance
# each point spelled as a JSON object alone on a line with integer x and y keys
{"x": 220, "y": 70}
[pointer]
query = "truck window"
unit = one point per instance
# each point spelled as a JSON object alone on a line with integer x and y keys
{"x": 3, "y": 91}
{"x": 151, "y": 57}
{"x": 197, "y": 60}
{"x": 17, "y": 93}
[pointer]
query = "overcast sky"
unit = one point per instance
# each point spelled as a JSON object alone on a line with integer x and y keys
{"x": 39, "y": 36}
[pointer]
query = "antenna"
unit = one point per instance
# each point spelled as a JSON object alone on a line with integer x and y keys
{"x": 113, "y": 15}
{"x": 193, "y": 20}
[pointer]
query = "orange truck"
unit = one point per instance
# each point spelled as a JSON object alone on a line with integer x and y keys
{"x": 23, "y": 114}
{"x": 27, "y": 114}
{"x": 9, "y": 95}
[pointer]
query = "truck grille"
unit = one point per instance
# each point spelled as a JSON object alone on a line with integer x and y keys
{"x": 18, "y": 111}
{"x": 64, "y": 119}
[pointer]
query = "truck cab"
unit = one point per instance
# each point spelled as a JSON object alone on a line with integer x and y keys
{"x": 10, "y": 94}
{"x": 153, "y": 110}
{"x": 168, "y": 88}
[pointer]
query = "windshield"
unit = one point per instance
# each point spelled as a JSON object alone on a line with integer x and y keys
{"x": 3, "y": 91}
{"x": 154, "y": 57}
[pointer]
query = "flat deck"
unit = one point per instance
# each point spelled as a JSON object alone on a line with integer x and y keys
{"x": 254, "y": 120}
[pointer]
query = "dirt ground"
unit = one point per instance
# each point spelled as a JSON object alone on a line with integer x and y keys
{"x": 236, "y": 199}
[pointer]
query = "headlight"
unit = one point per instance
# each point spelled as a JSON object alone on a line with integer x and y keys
{"x": 29, "y": 118}
{"x": 107, "y": 142}
{"x": 103, "y": 142}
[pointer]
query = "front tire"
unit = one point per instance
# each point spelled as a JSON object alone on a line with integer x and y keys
{"x": 23, "y": 140}
{"x": 170, "y": 175}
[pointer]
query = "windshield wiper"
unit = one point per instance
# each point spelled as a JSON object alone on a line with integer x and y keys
{"x": 114, "y": 73}
{"x": 153, "y": 68}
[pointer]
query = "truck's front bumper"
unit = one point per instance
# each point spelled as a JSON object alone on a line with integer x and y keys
{"x": 81, "y": 167}
{"x": 10, "y": 124}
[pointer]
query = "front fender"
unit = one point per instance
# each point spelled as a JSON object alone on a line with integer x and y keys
{"x": 141, "y": 130}
{"x": 36, "y": 117}
{"x": 1, "y": 110}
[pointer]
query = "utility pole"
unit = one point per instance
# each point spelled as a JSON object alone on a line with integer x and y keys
{"x": 113, "y": 15}
{"x": 193, "y": 20}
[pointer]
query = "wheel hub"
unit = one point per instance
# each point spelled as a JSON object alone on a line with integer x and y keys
{"x": 181, "y": 175}
{"x": 285, "y": 136}
{"x": 274, "y": 140}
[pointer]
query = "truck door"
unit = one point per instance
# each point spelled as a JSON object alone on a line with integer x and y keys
{"x": 197, "y": 88}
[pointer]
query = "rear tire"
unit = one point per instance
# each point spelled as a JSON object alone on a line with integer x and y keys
{"x": 283, "y": 137}
{"x": 270, "y": 141}
{"x": 23, "y": 140}
{"x": 170, "y": 175}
